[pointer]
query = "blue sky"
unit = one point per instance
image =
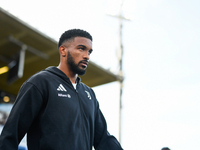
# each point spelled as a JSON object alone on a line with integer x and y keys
{"x": 161, "y": 97}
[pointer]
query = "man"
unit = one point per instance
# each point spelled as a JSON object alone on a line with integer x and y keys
{"x": 55, "y": 109}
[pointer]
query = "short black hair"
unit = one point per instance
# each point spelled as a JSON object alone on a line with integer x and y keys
{"x": 71, "y": 34}
{"x": 165, "y": 148}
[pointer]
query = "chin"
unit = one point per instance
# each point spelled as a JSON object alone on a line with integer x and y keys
{"x": 82, "y": 72}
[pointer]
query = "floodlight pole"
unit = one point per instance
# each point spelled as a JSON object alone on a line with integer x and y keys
{"x": 120, "y": 59}
{"x": 120, "y": 69}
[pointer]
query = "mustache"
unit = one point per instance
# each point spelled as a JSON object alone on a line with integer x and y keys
{"x": 84, "y": 61}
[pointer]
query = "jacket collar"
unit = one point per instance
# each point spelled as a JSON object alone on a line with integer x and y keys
{"x": 61, "y": 74}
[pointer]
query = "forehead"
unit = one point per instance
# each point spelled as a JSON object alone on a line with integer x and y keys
{"x": 81, "y": 41}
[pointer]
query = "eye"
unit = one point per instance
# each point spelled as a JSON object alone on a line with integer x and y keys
{"x": 82, "y": 48}
{"x": 90, "y": 51}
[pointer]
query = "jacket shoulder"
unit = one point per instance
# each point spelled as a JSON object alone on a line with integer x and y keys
{"x": 40, "y": 76}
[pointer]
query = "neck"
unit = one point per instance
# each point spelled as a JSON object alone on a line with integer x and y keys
{"x": 71, "y": 75}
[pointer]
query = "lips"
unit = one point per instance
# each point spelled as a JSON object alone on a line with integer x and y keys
{"x": 83, "y": 63}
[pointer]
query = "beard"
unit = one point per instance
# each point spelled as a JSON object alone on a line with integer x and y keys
{"x": 73, "y": 66}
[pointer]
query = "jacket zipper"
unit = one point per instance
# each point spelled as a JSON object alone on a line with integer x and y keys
{"x": 81, "y": 110}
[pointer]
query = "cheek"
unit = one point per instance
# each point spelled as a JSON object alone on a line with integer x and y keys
{"x": 76, "y": 57}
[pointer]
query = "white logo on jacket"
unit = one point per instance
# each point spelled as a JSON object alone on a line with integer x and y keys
{"x": 88, "y": 94}
{"x": 64, "y": 95}
{"x": 61, "y": 88}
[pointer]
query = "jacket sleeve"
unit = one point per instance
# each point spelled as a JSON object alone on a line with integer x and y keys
{"x": 23, "y": 113}
{"x": 103, "y": 140}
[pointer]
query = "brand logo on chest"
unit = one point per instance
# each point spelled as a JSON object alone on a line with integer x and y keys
{"x": 62, "y": 89}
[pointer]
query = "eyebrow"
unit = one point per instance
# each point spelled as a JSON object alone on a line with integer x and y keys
{"x": 82, "y": 46}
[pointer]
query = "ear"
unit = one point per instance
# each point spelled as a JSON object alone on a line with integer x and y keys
{"x": 62, "y": 51}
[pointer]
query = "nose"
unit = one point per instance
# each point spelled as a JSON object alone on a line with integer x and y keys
{"x": 86, "y": 55}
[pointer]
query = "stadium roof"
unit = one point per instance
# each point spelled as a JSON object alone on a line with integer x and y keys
{"x": 41, "y": 52}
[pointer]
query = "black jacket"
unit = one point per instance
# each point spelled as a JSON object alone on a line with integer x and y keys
{"x": 55, "y": 116}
